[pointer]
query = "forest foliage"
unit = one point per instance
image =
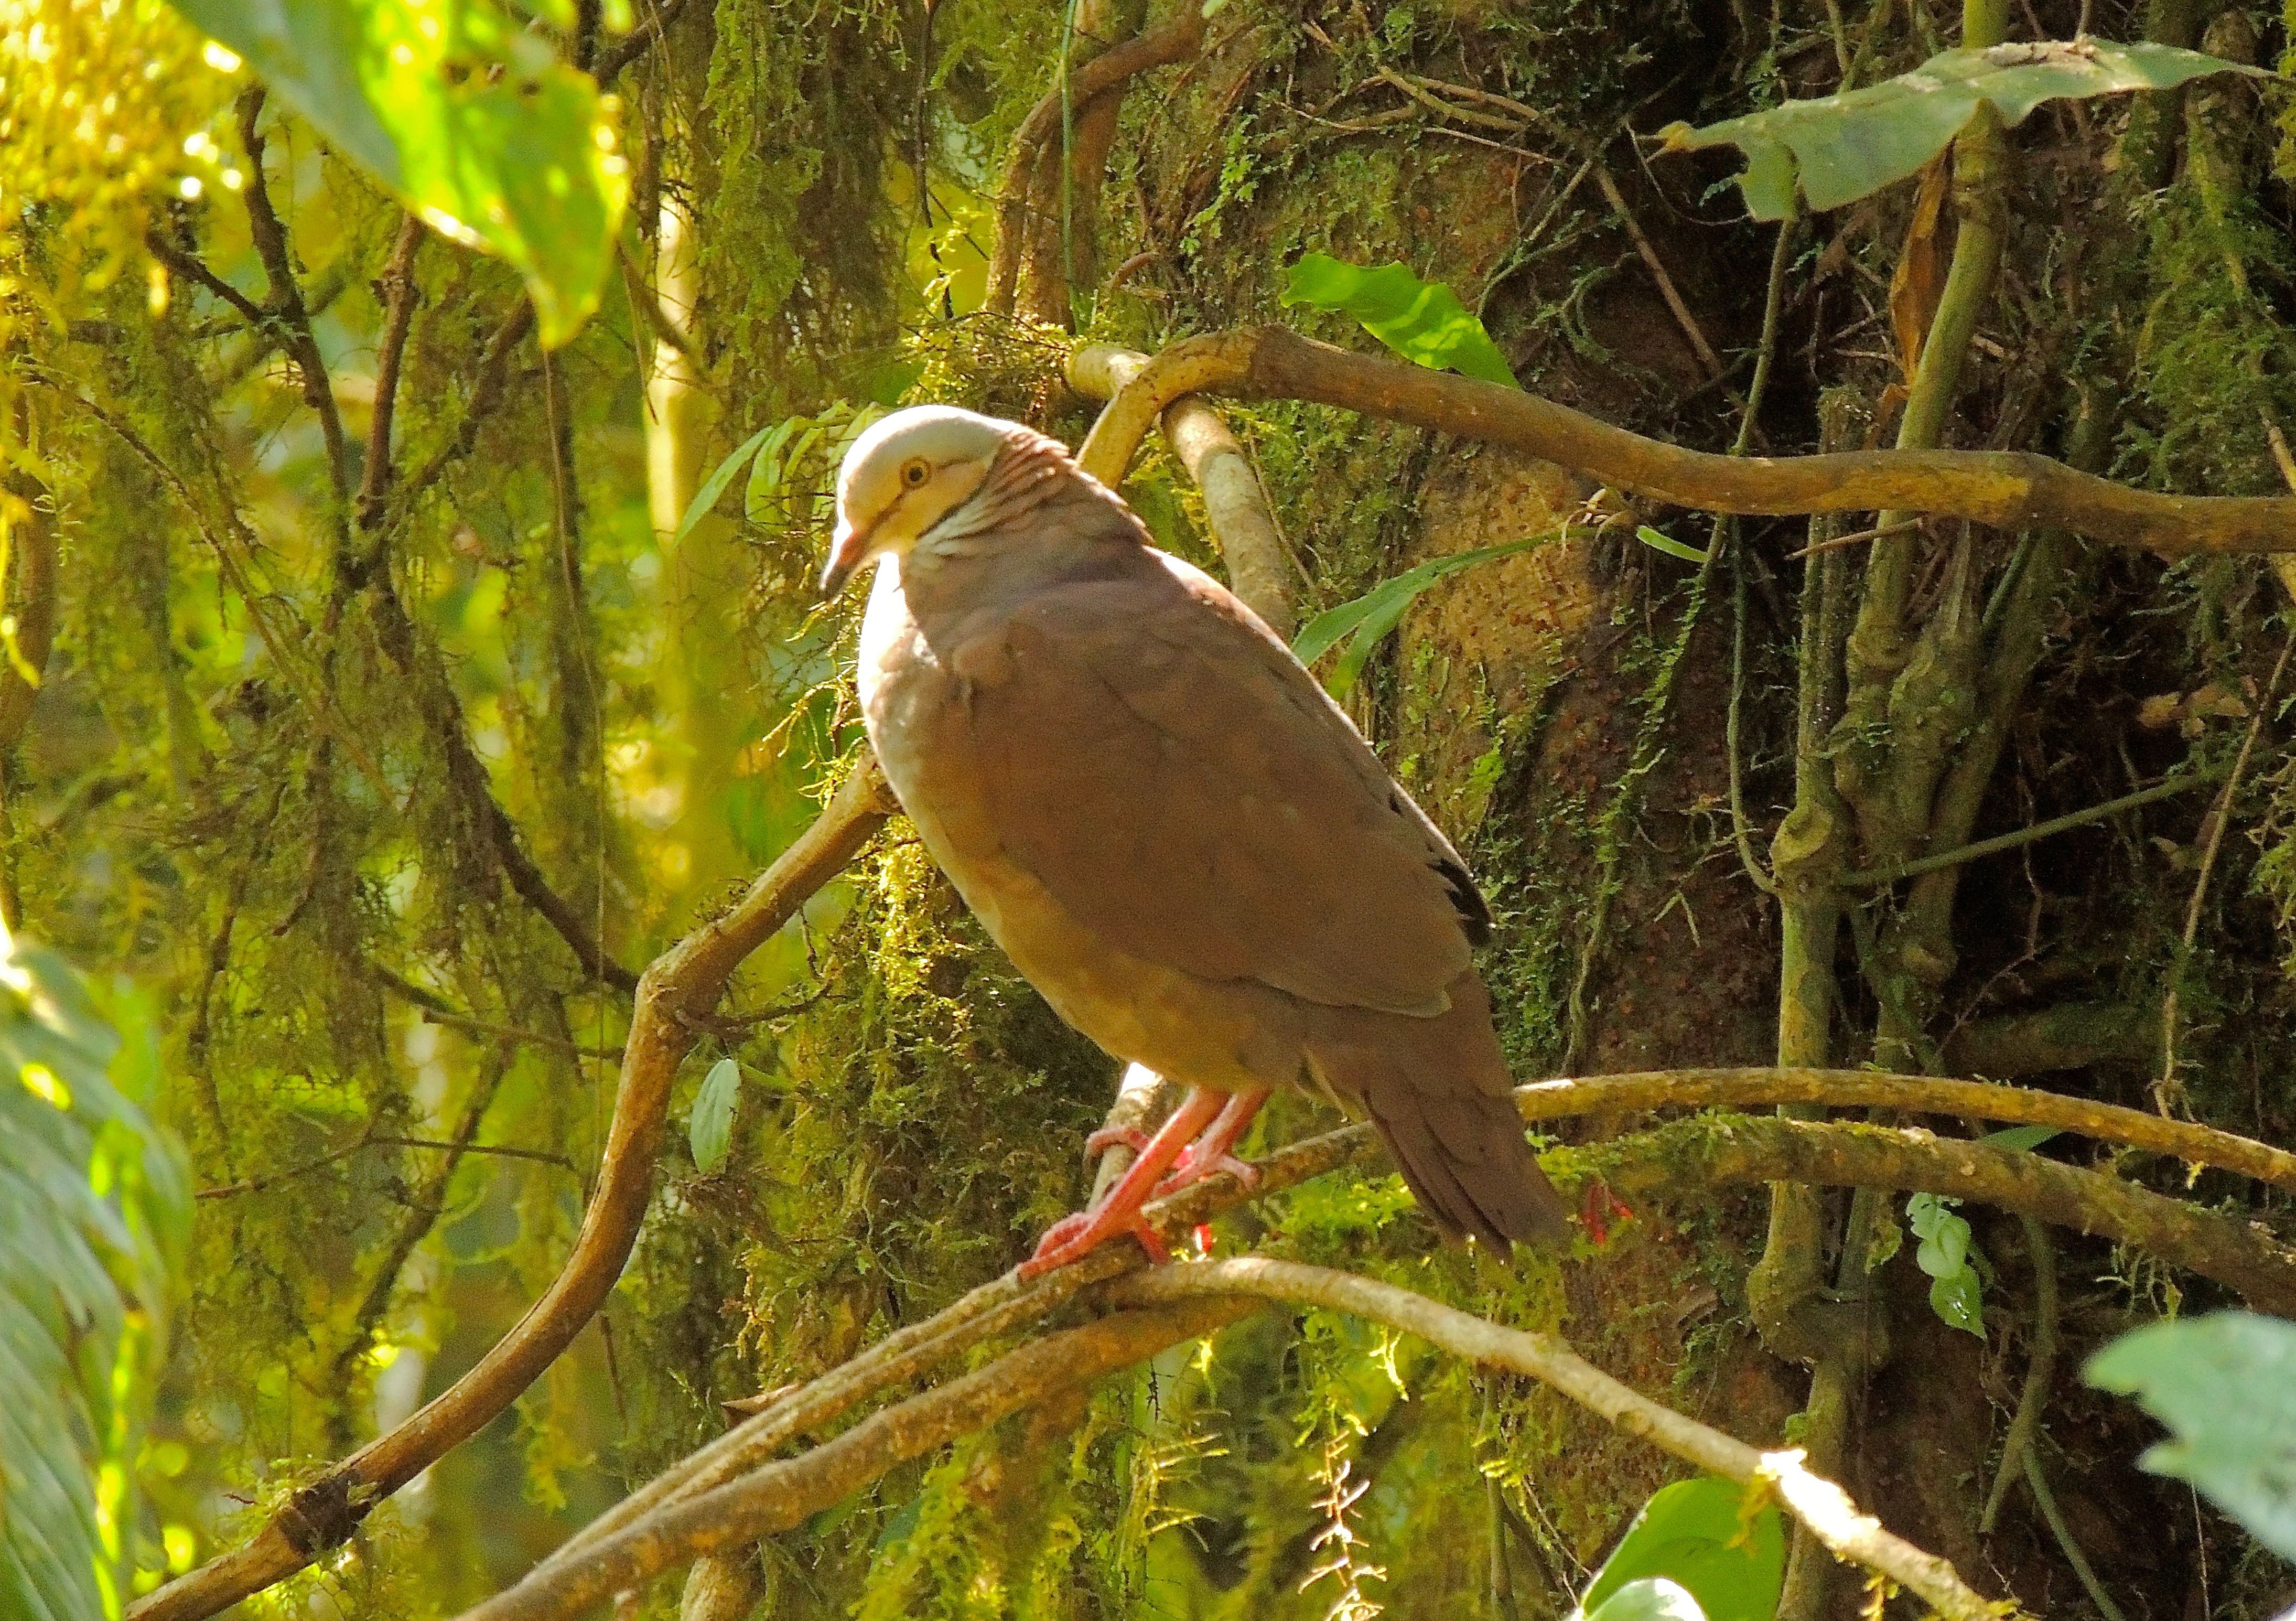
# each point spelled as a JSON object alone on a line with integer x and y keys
{"x": 419, "y": 417}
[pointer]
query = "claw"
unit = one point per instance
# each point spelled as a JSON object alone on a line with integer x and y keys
{"x": 1187, "y": 1169}
{"x": 1113, "y": 1137}
{"x": 1073, "y": 1238}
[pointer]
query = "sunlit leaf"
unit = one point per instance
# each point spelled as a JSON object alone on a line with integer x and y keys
{"x": 1695, "y": 1533}
{"x": 1840, "y": 148}
{"x": 2226, "y": 1386}
{"x": 1422, "y": 321}
{"x": 709, "y": 1128}
{"x": 1650, "y": 1599}
{"x": 470, "y": 119}
{"x": 1947, "y": 1254}
{"x": 713, "y": 487}
{"x": 94, "y": 1209}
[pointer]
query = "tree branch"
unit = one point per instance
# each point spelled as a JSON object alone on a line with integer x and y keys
{"x": 687, "y": 979}
{"x": 399, "y": 291}
{"x": 2008, "y": 489}
{"x": 783, "y": 1496}
{"x": 1242, "y": 524}
{"x": 1817, "y": 1502}
{"x": 1176, "y": 40}
{"x": 287, "y": 296}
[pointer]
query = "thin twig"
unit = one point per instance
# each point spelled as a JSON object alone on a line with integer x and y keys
{"x": 1874, "y": 877}
{"x": 400, "y": 290}
{"x": 2040, "y": 1369}
{"x": 499, "y": 1149}
{"x": 2063, "y": 1533}
{"x": 507, "y": 1033}
{"x": 651, "y": 29}
{"x": 270, "y": 238}
{"x": 1855, "y": 537}
{"x": 2169, "y": 1088}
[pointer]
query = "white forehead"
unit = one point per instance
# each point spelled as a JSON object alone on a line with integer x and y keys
{"x": 937, "y": 432}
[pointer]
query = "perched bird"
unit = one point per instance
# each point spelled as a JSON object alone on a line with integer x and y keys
{"x": 1172, "y": 831}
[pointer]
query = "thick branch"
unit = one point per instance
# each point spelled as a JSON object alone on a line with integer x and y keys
{"x": 782, "y": 1495}
{"x": 1817, "y": 1502}
{"x": 2008, "y": 489}
{"x": 1243, "y": 525}
{"x": 686, "y": 980}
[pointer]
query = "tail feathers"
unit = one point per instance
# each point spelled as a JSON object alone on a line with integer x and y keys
{"x": 1437, "y": 1091}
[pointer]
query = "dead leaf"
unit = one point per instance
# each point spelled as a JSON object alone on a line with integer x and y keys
{"x": 2160, "y": 710}
{"x": 1919, "y": 281}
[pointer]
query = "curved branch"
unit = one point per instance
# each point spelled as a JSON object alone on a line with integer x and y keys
{"x": 1817, "y": 1502}
{"x": 2008, "y": 489}
{"x": 782, "y": 1495}
{"x": 684, "y": 981}
{"x": 1243, "y": 525}
{"x": 1175, "y": 41}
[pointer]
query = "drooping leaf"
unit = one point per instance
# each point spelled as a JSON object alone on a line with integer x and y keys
{"x": 94, "y": 1209}
{"x": 1658, "y": 540}
{"x": 2226, "y": 1386}
{"x": 1650, "y": 1599}
{"x": 1366, "y": 620}
{"x": 1840, "y": 148}
{"x": 1918, "y": 283}
{"x": 1422, "y": 321}
{"x": 709, "y": 1128}
{"x": 723, "y": 474}
{"x": 1695, "y": 1533}
{"x": 470, "y": 119}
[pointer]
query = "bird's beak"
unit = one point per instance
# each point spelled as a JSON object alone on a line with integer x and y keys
{"x": 847, "y": 553}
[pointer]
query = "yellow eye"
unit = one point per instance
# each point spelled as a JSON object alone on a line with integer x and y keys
{"x": 913, "y": 473}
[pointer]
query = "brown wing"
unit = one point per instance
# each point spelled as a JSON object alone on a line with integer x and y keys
{"x": 1175, "y": 778}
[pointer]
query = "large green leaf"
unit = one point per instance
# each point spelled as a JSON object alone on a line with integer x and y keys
{"x": 1422, "y": 321}
{"x": 1365, "y": 621}
{"x": 2226, "y": 1386}
{"x": 93, "y": 1207}
{"x": 1841, "y": 148}
{"x": 1695, "y": 1533}
{"x": 473, "y": 120}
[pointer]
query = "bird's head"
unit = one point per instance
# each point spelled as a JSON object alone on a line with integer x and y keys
{"x": 903, "y": 477}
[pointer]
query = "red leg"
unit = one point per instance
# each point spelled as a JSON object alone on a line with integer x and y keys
{"x": 1211, "y": 1153}
{"x": 1077, "y": 1236}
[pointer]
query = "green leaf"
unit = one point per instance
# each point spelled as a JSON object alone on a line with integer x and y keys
{"x": 1841, "y": 148}
{"x": 1694, "y": 1532}
{"x": 95, "y": 1207}
{"x": 1947, "y": 1253}
{"x": 1650, "y": 1599}
{"x": 469, "y": 119}
{"x": 709, "y": 1128}
{"x": 1366, "y": 620}
{"x": 1422, "y": 321}
{"x": 1667, "y": 544}
{"x": 2022, "y": 1137}
{"x": 724, "y": 473}
{"x": 2226, "y": 1386}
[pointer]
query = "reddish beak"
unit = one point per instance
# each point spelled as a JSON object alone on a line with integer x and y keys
{"x": 846, "y": 553}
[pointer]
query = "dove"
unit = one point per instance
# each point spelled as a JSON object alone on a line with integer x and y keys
{"x": 1176, "y": 837}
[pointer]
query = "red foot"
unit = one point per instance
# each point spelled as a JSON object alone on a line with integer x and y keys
{"x": 1072, "y": 1237}
{"x": 1598, "y": 1206}
{"x": 1112, "y": 1137}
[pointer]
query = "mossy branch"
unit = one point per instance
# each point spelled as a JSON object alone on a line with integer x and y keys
{"x": 2008, "y": 489}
